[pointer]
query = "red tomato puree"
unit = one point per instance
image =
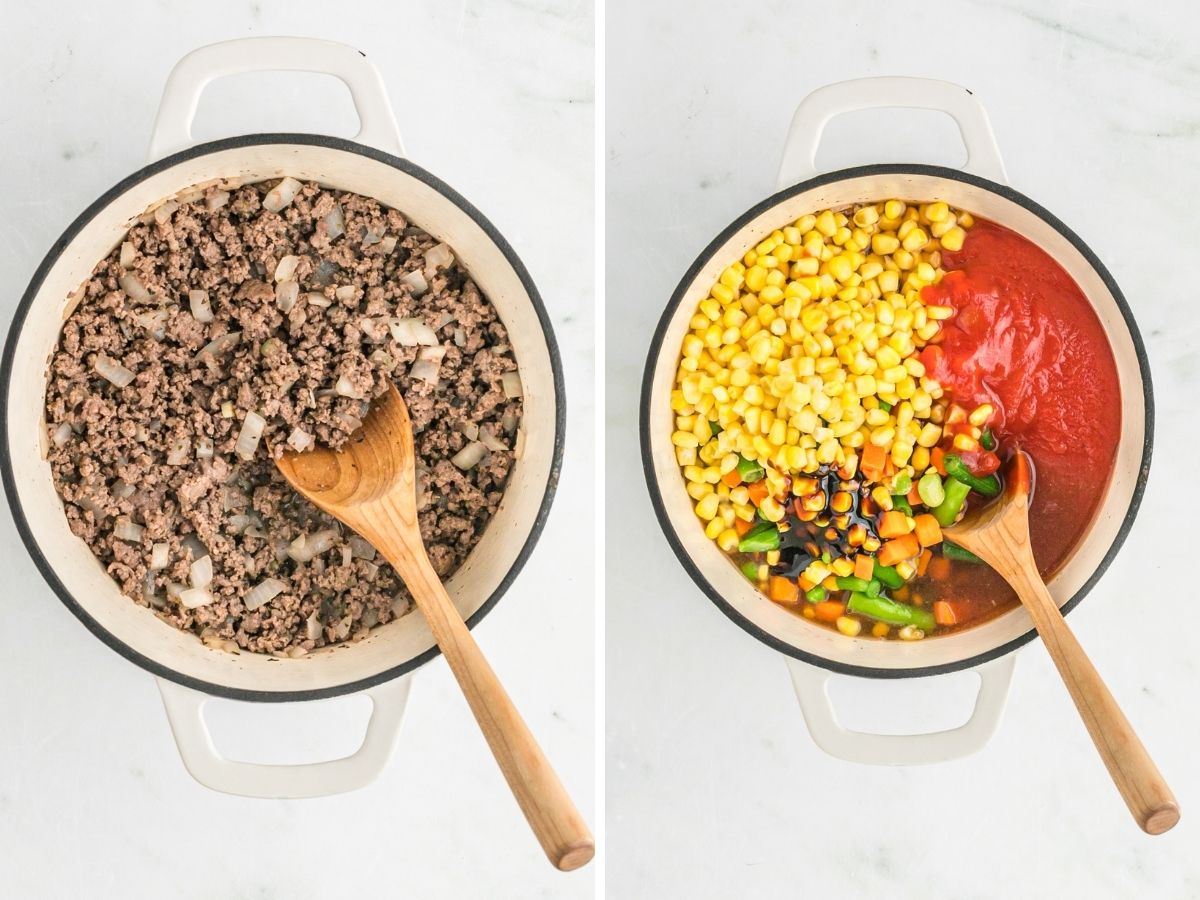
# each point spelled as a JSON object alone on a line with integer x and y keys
{"x": 1025, "y": 339}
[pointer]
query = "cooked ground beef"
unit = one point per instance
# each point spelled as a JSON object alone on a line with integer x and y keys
{"x": 368, "y": 299}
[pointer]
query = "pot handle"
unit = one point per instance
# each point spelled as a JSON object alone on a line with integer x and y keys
{"x": 888, "y": 92}
{"x": 181, "y": 94}
{"x": 811, "y": 684}
{"x": 185, "y": 712}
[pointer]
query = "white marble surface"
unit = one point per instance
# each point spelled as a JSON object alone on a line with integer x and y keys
{"x": 714, "y": 788}
{"x": 497, "y": 98}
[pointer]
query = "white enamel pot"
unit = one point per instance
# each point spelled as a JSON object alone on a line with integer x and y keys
{"x": 381, "y": 665}
{"x": 814, "y": 654}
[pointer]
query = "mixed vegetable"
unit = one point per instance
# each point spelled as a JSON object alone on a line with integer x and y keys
{"x": 818, "y": 451}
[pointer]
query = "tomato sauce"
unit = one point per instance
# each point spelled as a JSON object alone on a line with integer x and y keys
{"x": 1025, "y": 339}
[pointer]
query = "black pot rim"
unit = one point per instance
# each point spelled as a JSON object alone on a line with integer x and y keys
{"x": 677, "y": 297}
{"x": 56, "y": 250}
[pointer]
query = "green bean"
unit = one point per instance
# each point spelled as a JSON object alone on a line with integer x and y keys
{"x": 763, "y": 536}
{"x": 749, "y": 470}
{"x": 961, "y": 554}
{"x": 900, "y": 504}
{"x": 956, "y": 468}
{"x": 956, "y": 495}
{"x": 816, "y": 594}
{"x": 874, "y": 587}
{"x": 930, "y": 489}
{"x": 886, "y": 610}
{"x": 850, "y": 583}
{"x": 750, "y": 570}
{"x": 888, "y": 576}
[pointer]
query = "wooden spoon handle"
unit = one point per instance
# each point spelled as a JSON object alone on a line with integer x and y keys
{"x": 1133, "y": 771}
{"x": 551, "y": 814}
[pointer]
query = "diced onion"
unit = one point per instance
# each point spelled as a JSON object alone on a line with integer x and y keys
{"x": 154, "y": 321}
{"x": 388, "y": 244}
{"x": 163, "y": 214}
{"x": 201, "y": 309}
{"x": 308, "y": 546}
{"x": 489, "y": 440}
{"x": 508, "y": 422}
{"x": 370, "y": 570}
{"x": 204, "y": 448}
{"x": 335, "y": 222}
{"x": 160, "y": 555}
{"x": 469, "y": 430}
{"x": 178, "y": 452}
{"x": 360, "y": 548}
{"x": 460, "y": 338}
{"x": 266, "y": 590}
{"x": 400, "y": 605}
{"x": 194, "y": 597}
{"x": 121, "y": 490}
{"x": 428, "y": 365}
{"x": 193, "y": 544}
{"x": 286, "y": 294}
{"x": 200, "y": 572}
{"x": 219, "y": 345}
{"x": 345, "y": 388}
{"x": 511, "y": 382}
{"x": 343, "y": 628}
{"x": 124, "y": 529}
{"x": 352, "y": 423}
{"x": 250, "y": 435}
{"x": 345, "y": 292}
{"x": 286, "y": 268}
{"x": 370, "y": 238}
{"x": 347, "y": 555}
{"x": 62, "y": 434}
{"x": 442, "y": 321}
{"x": 281, "y": 195}
{"x": 416, "y": 281}
{"x": 412, "y": 333}
{"x": 128, "y": 255}
{"x": 469, "y": 456}
{"x": 133, "y": 286}
{"x": 113, "y": 371}
{"x": 313, "y": 628}
{"x": 437, "y": 257}
{"x": 300, "y": 440}
{"x": 216, "y": 200}
{"x": 317, "y": 299}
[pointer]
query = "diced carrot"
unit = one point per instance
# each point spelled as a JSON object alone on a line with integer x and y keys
{"x": 758, "y": 491}
{"x": 830, "y": 583}
{"x": 873, "y": 459}
{"x": 783, "y": 590}
{"x": 928, "y": 531}
{"x": 943, "y": 613}
{"x": 901, "y": 548}
{"x": 913, "y": 496}
{"x": 864, "y": 567}
{"x": 731, "y": 478}
{"x": 923, "y": 562}
{"x": 828, "y": 610}
{"x": 939, "y": 568}
{"x": 893, "y": 524}
{"x": 901, "y": 594}
{"x": 742, "y": 526}
{"x": 889, "y": 467}
{"x": 938, "y": 457}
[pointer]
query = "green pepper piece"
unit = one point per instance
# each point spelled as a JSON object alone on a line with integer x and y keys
{"x": 749, "y": 470}
{"x": 900, "y": 504}
{"x": 850, "y": 583}
{"x": 826, "y": 558}
{"x": 886, "y": 610}
{"x": 988, "y": 440}
{"x": 760, "y": 538}
{"x": 750, "y": 570}
{"x": 714, "y": 427}
{"x": 960, "y": 554}
{"x": 888, "y": 576}
{"x": 885, "y": 406}
{"x": 956, "y": 468}
{"x": 816, "y": 594}
{"x": 956, "y": 495}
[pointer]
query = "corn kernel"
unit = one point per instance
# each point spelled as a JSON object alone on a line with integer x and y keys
{"x": 981, "y": 414}
{"x": 849, "y": 626}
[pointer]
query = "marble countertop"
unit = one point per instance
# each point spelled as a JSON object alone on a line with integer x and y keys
{"x": 714, "y": 788}
{"x": 494, "y": 96}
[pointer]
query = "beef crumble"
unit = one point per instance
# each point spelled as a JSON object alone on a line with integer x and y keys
{"x": 231, "y": 323}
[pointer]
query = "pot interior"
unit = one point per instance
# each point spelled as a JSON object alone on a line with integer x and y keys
{"x": 500, "y": 551}
{"x": 713, "y": 569}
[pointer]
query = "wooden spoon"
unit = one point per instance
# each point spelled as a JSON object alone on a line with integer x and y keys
{"x": 999, "y": 534}
{"x": 370, "y": 486}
